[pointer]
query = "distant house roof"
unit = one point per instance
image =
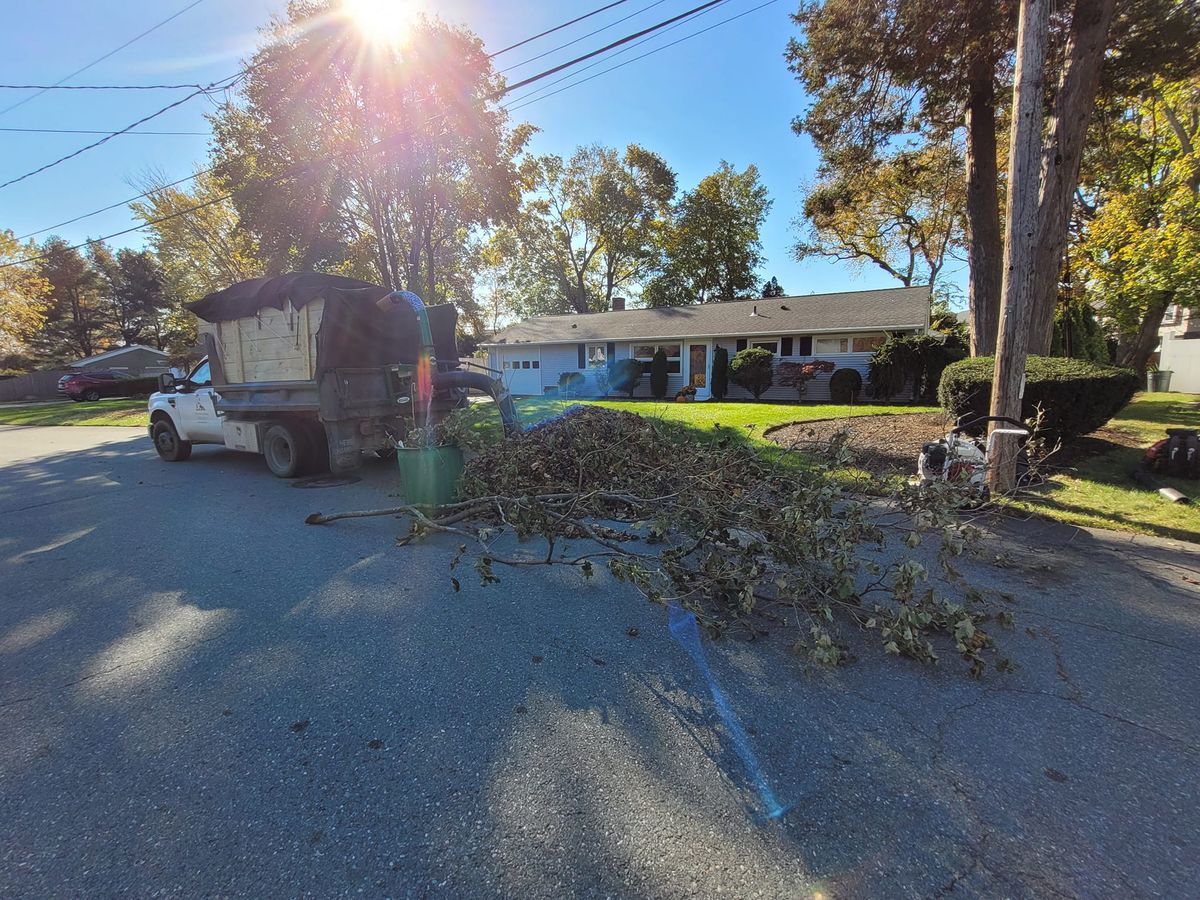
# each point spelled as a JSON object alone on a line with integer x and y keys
{"x": 110, "y": 355}
{"x": 887, "y": 309}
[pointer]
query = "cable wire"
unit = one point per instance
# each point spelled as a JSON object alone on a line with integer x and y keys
{"x": 497, "y": 95}
{"x": 95, "y": 87}
{"x": 530, "y": 40}
{"x": 98, "y": 60}
{"x": 215, "y": 86}
{"x": 85, "y": 131}
{"x": 583, "y": 37}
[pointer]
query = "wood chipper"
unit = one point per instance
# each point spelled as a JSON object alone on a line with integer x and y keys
{"x": 311, "y": 370}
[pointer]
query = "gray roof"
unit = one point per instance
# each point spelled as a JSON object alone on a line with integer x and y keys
{"x": 113, "y": 354}
{"x": 890, "y": 308}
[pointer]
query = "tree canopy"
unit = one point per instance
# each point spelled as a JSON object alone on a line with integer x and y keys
{"x": 711, "y": 245}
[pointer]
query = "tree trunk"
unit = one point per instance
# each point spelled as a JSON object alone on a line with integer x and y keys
{"x": 1020, "y": 234}
{"x": 984, "y": 249}
{"x": 1061, "y": 158}
{"x": 1135, "y": 353}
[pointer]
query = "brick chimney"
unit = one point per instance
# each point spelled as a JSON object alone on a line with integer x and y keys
{"x": 618, "y": 304}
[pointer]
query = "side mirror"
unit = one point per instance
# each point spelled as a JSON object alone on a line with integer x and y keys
{"x": 166, "y": 382}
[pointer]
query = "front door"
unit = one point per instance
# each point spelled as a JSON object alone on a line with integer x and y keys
{"x": 698, "y": 367}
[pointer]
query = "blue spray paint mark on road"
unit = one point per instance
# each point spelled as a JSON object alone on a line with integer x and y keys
{"x": 686, "y": 633}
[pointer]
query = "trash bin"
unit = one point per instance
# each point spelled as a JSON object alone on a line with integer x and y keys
{"x": 1158, "y": 381}
{"x": 429, "y": 475}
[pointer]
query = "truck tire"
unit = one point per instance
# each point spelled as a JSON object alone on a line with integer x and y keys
{"x": 286, "y": 447}
{"x": 168, "y": 443}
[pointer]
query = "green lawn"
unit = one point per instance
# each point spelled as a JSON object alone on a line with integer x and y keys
{"x": 102, "y": 412}
{"x": 753, "y": 419}
{"x": 1100, "y": 493}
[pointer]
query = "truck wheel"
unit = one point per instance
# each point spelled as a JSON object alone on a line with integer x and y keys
{"x": 286, "y": 449}
{"x": 168, "y": 443}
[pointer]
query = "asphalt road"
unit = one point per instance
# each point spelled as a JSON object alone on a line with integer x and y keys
{"x": 202, "y": 696}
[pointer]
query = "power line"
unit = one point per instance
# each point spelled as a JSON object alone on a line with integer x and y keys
{"x": 530, "y": 40}
{"x": 215, "y": 86}
{"x": 100, "y": 59}
{"x": 95, "y": 87}
{"x": 601, "y": 61}
{"x": 85, "y": 131}
{"x": 582, "y": 37}
{"x": 376, "y": 144}
{"x": 529, "y": 98}
{"x": 607, "y": 47}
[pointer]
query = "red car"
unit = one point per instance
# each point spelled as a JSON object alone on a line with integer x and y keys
{"x": 94, "y": 385}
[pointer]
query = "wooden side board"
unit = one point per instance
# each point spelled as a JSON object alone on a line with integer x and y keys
{"x": 274, "y": 345}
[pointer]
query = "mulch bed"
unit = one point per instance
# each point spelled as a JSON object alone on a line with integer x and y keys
{"x": 884, "y": 444}
{"x": 889, "y": 444}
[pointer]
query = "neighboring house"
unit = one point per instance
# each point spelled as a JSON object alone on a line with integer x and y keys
{"x": 843, "y": 328}
{"x": 136, "y": 359}
{"x": 1179, "y": 350}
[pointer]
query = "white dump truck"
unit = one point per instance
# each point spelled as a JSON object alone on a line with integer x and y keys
{"x": 312, "y": 370}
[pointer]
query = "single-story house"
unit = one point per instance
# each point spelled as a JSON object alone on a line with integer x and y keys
{"x": 136, "y": 359}
{"x": 843, "y": 328}
{"x": 1179, "y": 350}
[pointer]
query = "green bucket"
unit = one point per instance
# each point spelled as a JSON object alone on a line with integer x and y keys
{"x": 429, "y": 475}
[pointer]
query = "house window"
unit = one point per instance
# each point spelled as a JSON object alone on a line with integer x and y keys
{"x": 771, "y": 346}
{"x": 644, "y": 353}
{"x": 597, "y": 355}
{"x": 831, "y": 345}
{"x": 869, "y": 343}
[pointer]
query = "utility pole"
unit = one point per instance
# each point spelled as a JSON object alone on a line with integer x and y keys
{"x": 1020, "y": 230}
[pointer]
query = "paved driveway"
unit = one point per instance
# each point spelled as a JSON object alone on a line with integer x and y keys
{"x": 201, "y": 696}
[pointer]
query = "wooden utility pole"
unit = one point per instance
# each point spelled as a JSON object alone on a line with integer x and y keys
{"x": 1020, "y": 232}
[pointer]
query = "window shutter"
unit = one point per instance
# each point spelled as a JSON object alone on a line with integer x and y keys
{"x": 785, "y": 347}
{"x": 582, "y": 356}
{"x": 610, "y": 351}
{"x": 805, "y": 346}
{"x": 741, "y": 344}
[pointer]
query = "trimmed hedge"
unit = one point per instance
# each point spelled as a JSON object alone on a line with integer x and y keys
{"x": 845, "y": 385}
{"x": 1076, "y": 396}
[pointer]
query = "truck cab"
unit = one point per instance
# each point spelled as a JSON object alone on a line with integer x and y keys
{"x": 185, "y": 413}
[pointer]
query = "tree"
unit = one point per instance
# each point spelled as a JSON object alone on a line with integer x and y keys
{"x": 1138, "y": 246}
{"x": 658, "y": 374}
{"x": 22, "y": 301}
{"x": 753, "y": 369}
{"x": 720, "y": 373}
{"x": 135, "y": 299}
{"x": 712, "y": 245}
{"x": 772, "y": 289}
{"x": 884, "y": 71}
{"x": 75, "y": 325}
{"x": 367, "y": 158}
{"x": 904, "y": 215}
{"x": 203, "y": 251}
{"x": 587, "y": 230}
{"x": 798, "y": 375}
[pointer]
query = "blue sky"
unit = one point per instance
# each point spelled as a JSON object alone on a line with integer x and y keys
{"x": 725, "y": 94}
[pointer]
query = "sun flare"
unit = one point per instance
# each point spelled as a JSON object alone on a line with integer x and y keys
{"x": 382, "y": 21}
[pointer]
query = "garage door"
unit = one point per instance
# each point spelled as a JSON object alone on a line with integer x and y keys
{"x": 522, "y": 371}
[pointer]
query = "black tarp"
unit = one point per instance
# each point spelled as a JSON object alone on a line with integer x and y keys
{"x": 354, "y": 332}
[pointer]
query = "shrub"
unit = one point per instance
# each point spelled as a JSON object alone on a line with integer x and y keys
{"x": 720, "y": 373}
{"x": 1075, "y": 396}
{"x": 798, "y": 375}
{"x": 753, "y": 369}
{"x": 917, "y": 360}
{"x": 658, "y": 374}
{"x": 570, "y": 383}
{"x": 624, "y": 375}
{"x": 845, "y": 385}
